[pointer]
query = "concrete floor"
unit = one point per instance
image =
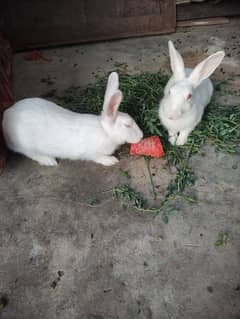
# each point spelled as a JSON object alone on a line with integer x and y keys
{"x": 68, "y": 249}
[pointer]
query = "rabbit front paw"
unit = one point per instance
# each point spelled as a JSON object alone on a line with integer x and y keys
{"x": 182, "y": 138}
{"x": 107, "y": 160}
{"x": 172, "y": 138}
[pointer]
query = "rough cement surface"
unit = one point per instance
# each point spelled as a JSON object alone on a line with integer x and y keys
{"x": 117, "y": 262}
{"x": 68, "y": 249}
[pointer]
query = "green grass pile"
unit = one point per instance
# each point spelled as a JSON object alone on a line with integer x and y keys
{"x": 220, "y": 125}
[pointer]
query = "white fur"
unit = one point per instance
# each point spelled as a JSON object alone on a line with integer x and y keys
{"x": 178, "y": 113}
{"x": 45, "y": 131}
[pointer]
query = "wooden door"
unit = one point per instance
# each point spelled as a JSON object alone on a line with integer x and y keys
{"x": 6, "y": 98}
{"x": 34, "y": 23}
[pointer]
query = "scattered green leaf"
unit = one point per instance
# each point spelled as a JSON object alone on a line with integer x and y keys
{"x": 126, "y": 192}
{"x": 124, "y": 173}
{"x": 222, "y": 239}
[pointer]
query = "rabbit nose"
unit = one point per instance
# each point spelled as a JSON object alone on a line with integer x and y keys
{"x": 173, "y": 117}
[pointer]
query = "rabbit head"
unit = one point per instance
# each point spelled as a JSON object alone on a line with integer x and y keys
{"x": 120, "y": 127}
{"x": 179, "y": 92}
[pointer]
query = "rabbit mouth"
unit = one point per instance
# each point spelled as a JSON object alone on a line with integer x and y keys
{"x": 136, "y": 138}
{"x": 173, "y": 118}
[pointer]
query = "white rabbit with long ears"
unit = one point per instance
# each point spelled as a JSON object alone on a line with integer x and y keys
{"x": 44, "y": 131}
{"x": 186, "y": 95}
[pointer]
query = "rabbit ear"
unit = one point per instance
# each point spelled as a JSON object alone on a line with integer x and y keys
{"x": 112, "y": 108}
{"x": 204, "y": 69}
{"x": 176, "y": 61}
{"x": 112, "y": 87}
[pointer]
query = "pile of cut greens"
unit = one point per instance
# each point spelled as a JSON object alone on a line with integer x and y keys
{"x": 220, "y": 127}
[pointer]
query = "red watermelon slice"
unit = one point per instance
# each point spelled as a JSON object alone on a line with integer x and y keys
{"x": 150, "y": 146}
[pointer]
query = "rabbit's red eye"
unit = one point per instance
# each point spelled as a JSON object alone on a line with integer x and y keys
{"x": 127, "y": 125}
{"x": 189, "y": 96}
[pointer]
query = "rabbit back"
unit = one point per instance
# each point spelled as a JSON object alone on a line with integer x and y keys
{"x": 42, "y": 127}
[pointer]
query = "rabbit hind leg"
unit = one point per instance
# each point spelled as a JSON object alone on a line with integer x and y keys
{"x": 43, "y": 159}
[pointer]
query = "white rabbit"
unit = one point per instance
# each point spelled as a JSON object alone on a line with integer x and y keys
{"x": 186, "y": 95}
{"x": 44, "y": 131}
